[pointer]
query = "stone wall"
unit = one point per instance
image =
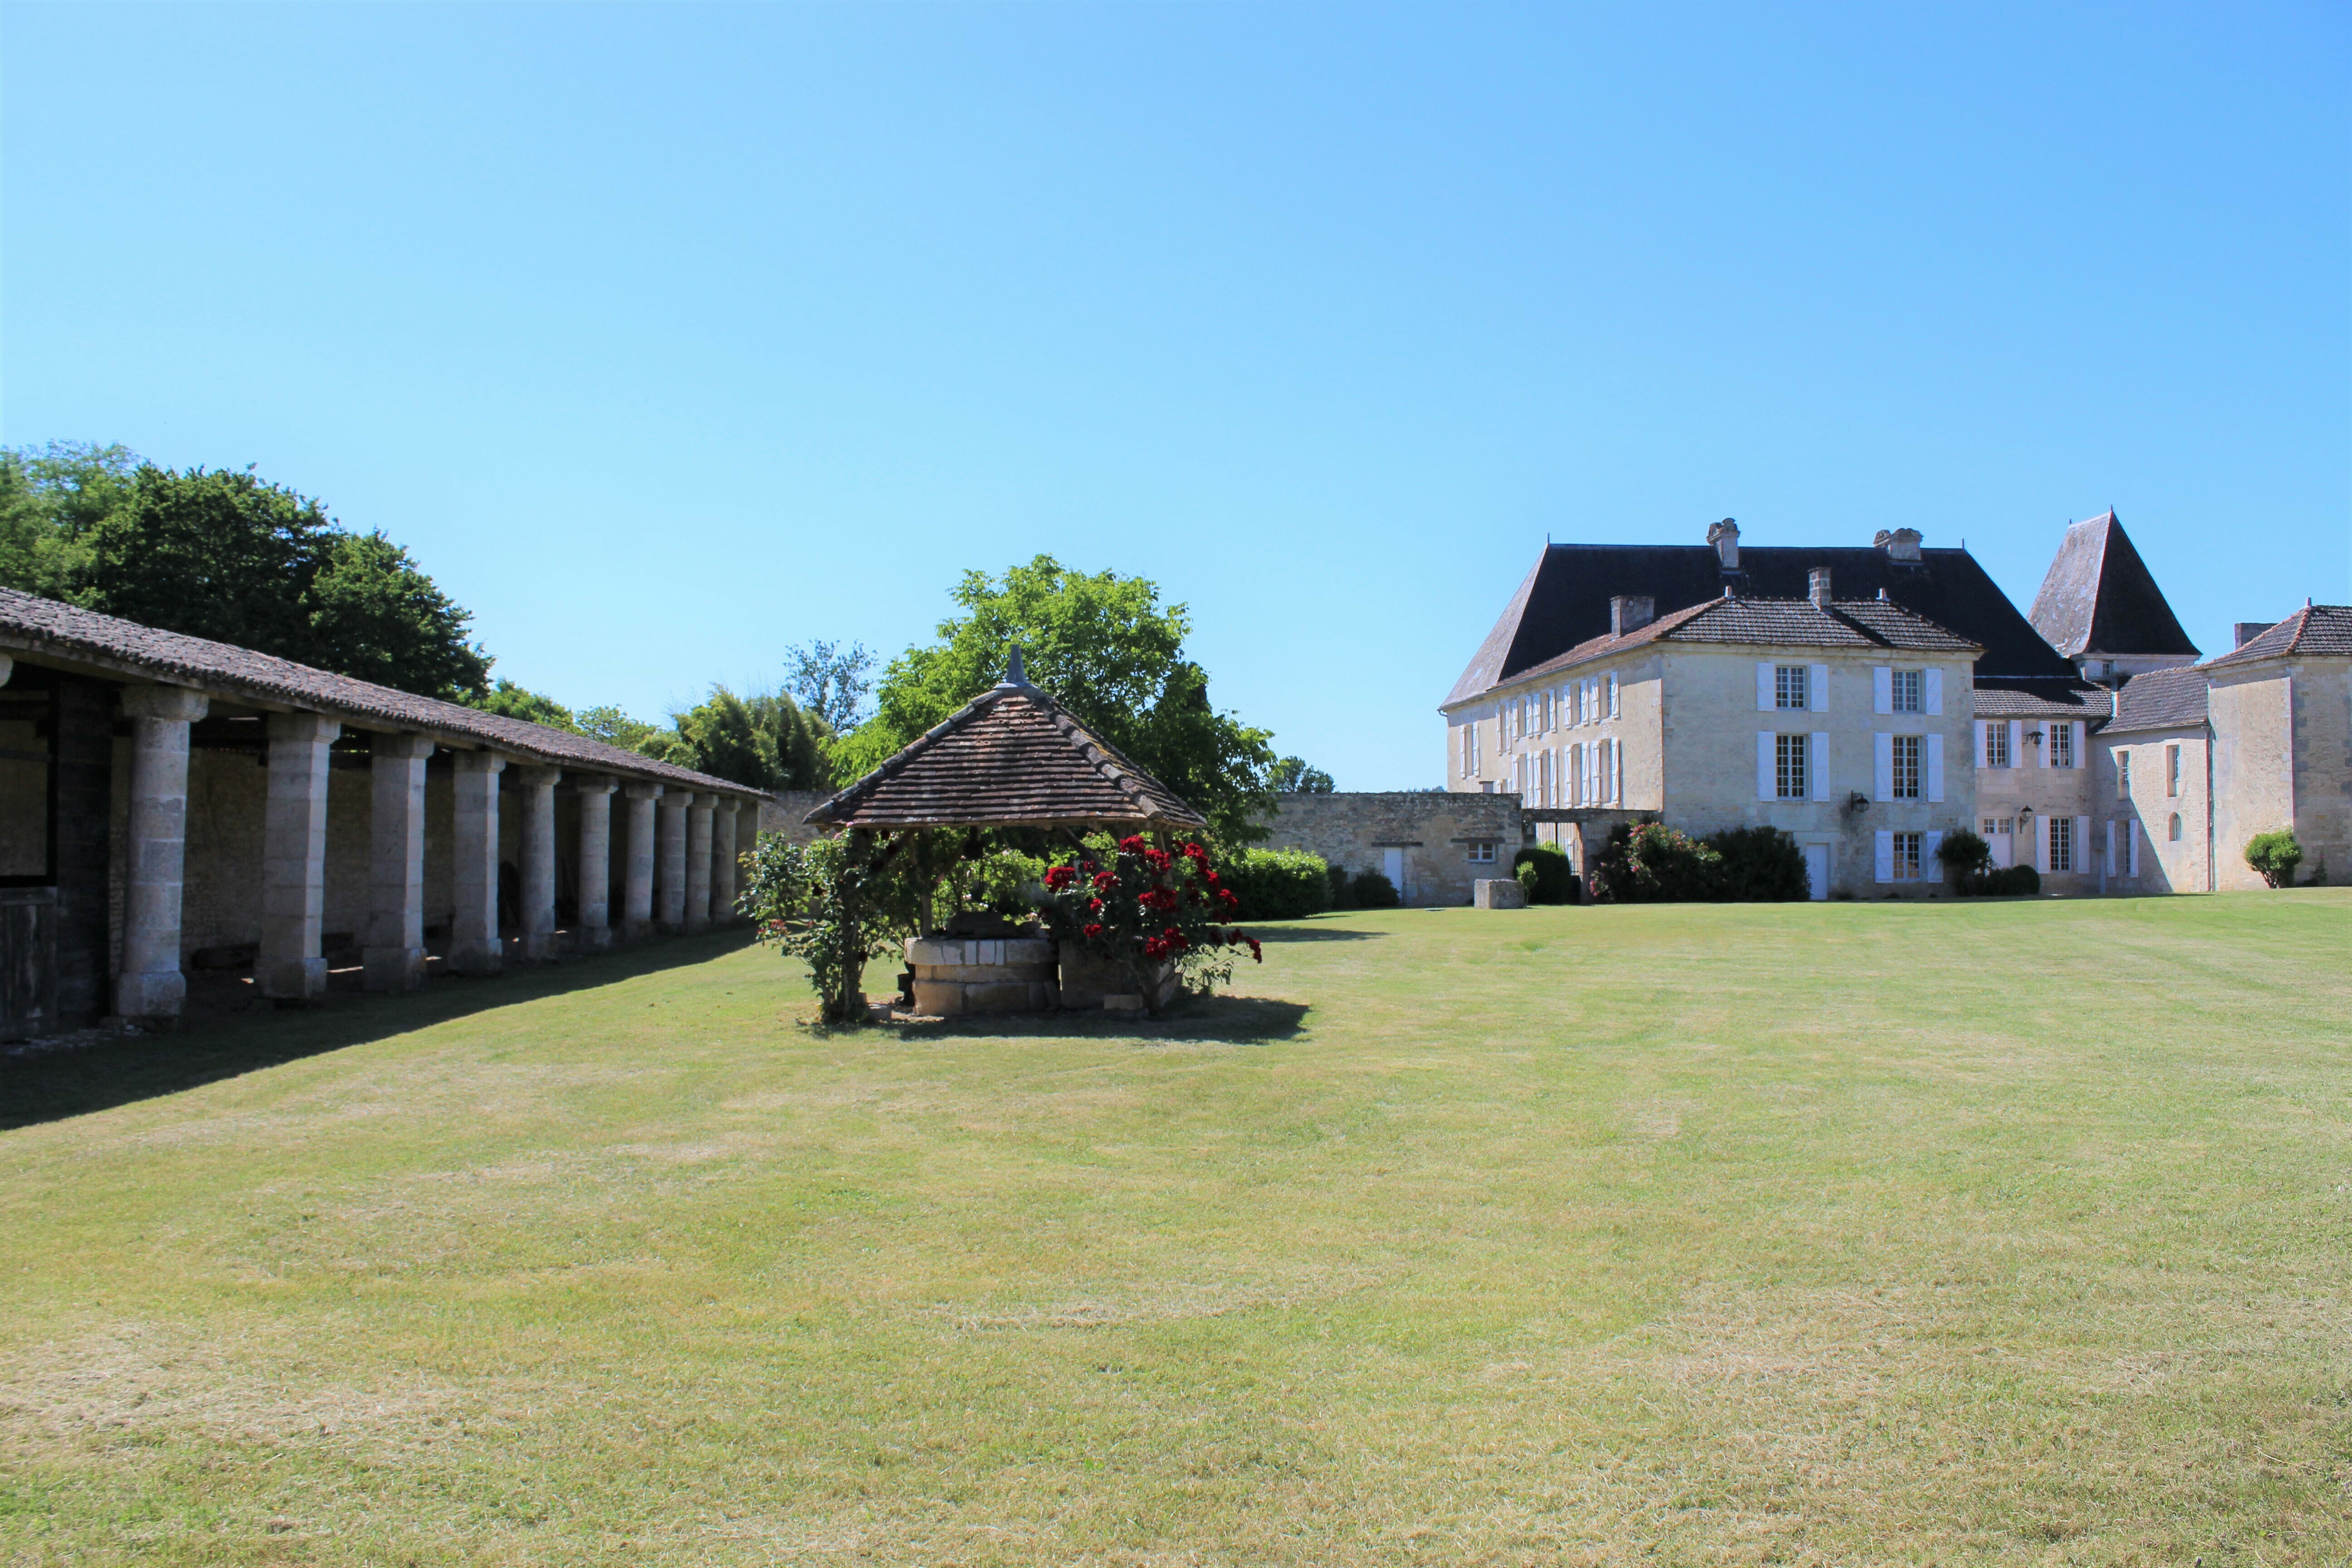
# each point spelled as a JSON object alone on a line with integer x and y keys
{"x": 781, "y": 816}
{"x": 1430, "y": 831}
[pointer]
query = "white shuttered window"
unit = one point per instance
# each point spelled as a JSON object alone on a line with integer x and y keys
{"x": 1817, "y": 764}
{"x": 1935, "y": 767}
{"x": 1818, "y": 688}
{"x": 1882, "y": 689}
{"x": 1882, "y": 766}
{"x": 1935, "y": 692}
{"x": 1766, "y": 744}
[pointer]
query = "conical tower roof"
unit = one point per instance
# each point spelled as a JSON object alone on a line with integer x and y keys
{"x": 2099, "y": 598}
{"x": 1012, "y": 757}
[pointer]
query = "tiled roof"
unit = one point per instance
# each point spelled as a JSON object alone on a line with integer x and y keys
{"x": 1775, "y": 623}
{"x": 2073, "y": 699}
{"x": 2314, "y": 631}
{"x": 35, "y": 625}
{"x": 1563, "y": 603}
{"x": 1010, "y": 757}
{"x": 2098, "y": 598}
{"x": 2161, "y": 700}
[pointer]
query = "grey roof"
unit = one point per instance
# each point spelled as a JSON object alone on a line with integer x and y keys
{"x": 2161, "y": 700}
{"x": 35, "y": 626}
{"x": 2098, "y": 598}
{"x": 1563, "y": 603}
{"x": 2314, "y": 631}
{"x": 1775, "y": 623}
{"x": 2043, "y": 699}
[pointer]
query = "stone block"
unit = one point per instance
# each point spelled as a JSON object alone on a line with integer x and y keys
{"x": 1498, "y": 893}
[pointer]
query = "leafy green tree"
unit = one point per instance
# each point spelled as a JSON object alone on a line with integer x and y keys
{"x": 830, "y": 682}
{"x": 1107, "y": 648}
{"x": 514, "y": 701}
{"x": 50, "y": 498}
{"x": 609, "y": 724}
{"x": 229, "y": 556}
{"x": 1297, "y": 775}
{"x": 763, "y": 740}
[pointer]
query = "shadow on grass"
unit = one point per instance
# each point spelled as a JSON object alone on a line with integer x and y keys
{"x": 1273, "y": 932}
{"x": 1231, "y": 1020}
{"x": 114, "y": 1071}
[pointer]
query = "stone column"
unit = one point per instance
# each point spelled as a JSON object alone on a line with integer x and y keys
{"x": 595, "y": 931}
{"x": 294, "y": 858}
{"x": 474, "y": 944}
{"x": 697, "y": 861}
{"x": 392, "y": 951}
{"x": 151, "y": 984}
{"x": 723, "y": 864}
{"x": 538, "y": 861}
{"x": 669, "y": 864}
{"x": 637, "y": 885}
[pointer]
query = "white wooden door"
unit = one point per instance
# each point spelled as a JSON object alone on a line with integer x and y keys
{"x": 1817, "y": 870}
{"x": 2004, "y": 848}
{"x": 1392, "y": 866}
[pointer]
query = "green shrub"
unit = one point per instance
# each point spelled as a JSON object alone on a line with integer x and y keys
{"x": 1374, "y": 891}
{"x": 1650, "y": 863}
{"x": 1963, "y": 855}
{"x": 2275, "y": 856}
{"x": 1760, "y": 866}
{"x": 1343, "y": 888}
{"x": 1544, "y": 869}
{"x": 1995, "y": 881}
{"x": 1277, "y": 884}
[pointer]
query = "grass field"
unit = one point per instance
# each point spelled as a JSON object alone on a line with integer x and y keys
{"x": 1839, "y": 1233}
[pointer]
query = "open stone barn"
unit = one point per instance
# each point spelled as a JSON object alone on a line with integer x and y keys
{"x": 169, "y": 804}
{"x": 1012, "y": 757}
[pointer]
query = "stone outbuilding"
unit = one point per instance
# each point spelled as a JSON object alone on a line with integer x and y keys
{"x": 169, "y": 802}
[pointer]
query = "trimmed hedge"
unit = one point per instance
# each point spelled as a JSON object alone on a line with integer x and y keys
{"x": 1555, "y": 879}
{"x": 1999, "y": 883}
{"x": 1276, "y": 884}
{"x": 1650, "y": 863}
{"x": 1374, "y": 891}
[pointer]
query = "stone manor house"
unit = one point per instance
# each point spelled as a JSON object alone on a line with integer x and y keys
{"x": 171, "y": 806}
{"x": 1870, "y": 701}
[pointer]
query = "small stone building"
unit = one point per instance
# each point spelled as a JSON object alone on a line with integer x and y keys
{"x": 169, "y": 802}
{"x": 1431, "y": 844}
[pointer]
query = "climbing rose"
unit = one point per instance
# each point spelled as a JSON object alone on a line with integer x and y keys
{"x": 1093, "y": 932}
{"x": 1131, "y": 845}
{"x": 1060, "y": 877}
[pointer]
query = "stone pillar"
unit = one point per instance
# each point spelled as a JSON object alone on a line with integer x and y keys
{"x": 294, "y": 858}
{"x": 595, "y": 927}
{"x": 698, "y": 812}
{"x": 150, "y": 985}
{"x": 723, "y": 864}
{"x": 538, "y": 794}
{"x": 474, "y": 944}
{"x": 392, "y": 951}
{"x": 637, "y": 886}
{"x": 669, "y": 865}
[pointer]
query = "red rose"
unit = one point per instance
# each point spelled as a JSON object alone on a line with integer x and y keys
{"x": 1255, "y": 951}
{"x": 1060, "y": 877}
{"x": 1095, "y": 904}
{"x": 1093, "y": 932}
{"x": 1105, "y": 880}
{"x": 1131, "y": 845}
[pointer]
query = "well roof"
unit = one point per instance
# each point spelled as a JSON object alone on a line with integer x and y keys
{"x": 1012, "y": 757}
{"x": 2098, "y": 598}
{"x": 37, "y": 626}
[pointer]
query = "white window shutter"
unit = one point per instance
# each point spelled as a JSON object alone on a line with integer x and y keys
{"x": 1984, "y": 744}
{"x": 2081, "y": 843}
{"x": 1767, "y": 787}
{"x": 1617, "y": 765}
{"x": 1928, "y": 844}
{"x": 2017, "y": 743}
{"x": 1612, "y": 696}
{"x": 2041, "y": 845}
{"x": 1817, "y": 764}
{"x": 1882, "y": 766}
{"x": 2131, "y": 845}
{"x": 1765, "y": 696}
{"x": 1935, "y": 685}
{"x": 1882, "y": 689}
{"x": 1817, "y": 687}
{"x": 2110, "y": 857}
{"x": 1935, "y": 767}
{"x": 2081, "y": 757}
{"x": 1885, "y": 865}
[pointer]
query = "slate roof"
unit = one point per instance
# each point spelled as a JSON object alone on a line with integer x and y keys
{"x": 1775, "y": 623}
{"x": 35, "y": 626}
{"x": 2073, "y": 699}
{"x": 2161, "y": 700}
{"x": 2314, "y": 631}
{"x": 2098, "y": 598}
{"x": 1563, "y": 603}
{"x": 1010, "y": 757}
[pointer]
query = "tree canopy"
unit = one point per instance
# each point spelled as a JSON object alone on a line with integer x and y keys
{"x": 1106, "y": 648}
{"x": 1297, "y": 775}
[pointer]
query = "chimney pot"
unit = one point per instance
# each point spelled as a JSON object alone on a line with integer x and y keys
{"x": 2247, "y": 631}
{"x": 1725, "y": 537}
{"x": 1630, "y": 613}
{"x": 1817, "y": 584}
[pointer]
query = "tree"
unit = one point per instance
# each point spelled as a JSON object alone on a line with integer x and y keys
{"x": 231, "y": 557}
{"x": 1297, "y": 775}
{"x": 1109, "y": 652}
{"x": 763, "y": 740}
{"x": 829, "y": 682}
{"x": 50, "y": 498}
{"x": 513, "y": 701}
{"x": 2276, "y": 855}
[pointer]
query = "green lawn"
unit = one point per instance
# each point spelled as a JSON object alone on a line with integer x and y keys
{"x": 1846, "y": 1232}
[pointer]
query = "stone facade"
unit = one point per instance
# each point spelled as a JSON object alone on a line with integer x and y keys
{"x": 1437, "y": 842}
{"x": 2156, "y": 792}
{"x": 2283, "y": 758}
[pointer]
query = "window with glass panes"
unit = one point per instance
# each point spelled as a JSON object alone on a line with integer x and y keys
{"x": 2172, "y": 770}
{"x": 1906, "y": 767}
{"x": 1789, "y": 780}
{"x": 2062, "y": 745}
{"x": 2062, "y": 843}
{"x": 1910, "y": 691}
{"x": 1788, "y": 686}
{"x": 1996, "y": 745}
{"x": 1907, "y": 856}
{"x": 2123, "y": 773}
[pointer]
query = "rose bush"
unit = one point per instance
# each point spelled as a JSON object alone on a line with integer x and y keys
{"x": 1137, "y": 906}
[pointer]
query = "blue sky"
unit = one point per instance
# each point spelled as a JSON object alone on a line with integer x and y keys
{"x": 668, "y": 337}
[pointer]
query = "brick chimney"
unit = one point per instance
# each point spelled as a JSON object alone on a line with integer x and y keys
{"x": 1901, "y": 544}
{"x": 1725, "y": 537}
{"x": 1817, "y": 586}
{"x": 2247, "y": 631}
{"x": 1630, "y": 613}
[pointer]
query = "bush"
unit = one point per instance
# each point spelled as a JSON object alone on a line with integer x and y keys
{"x": 1374, "y": 891}
{"x": 1277, "y": 884}
{"x": 1650, "y": 863}
{"x": 1760, "y": 866}
{"x": 1543, "y": 869}
{"x": 1994, "y": 881}
{"x": 1343, "y": 888}
{"x": 2275, "y": 856}
{"x": 1963, "y": 855}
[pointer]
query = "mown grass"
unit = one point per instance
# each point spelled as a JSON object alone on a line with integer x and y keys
{"x": 1837, "y": 1234}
